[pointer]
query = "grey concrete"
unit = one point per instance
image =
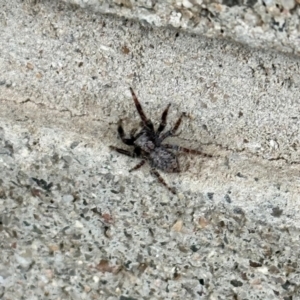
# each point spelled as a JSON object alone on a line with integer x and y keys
{"x": 99, "y": 232}
{"x": 267, "y": 24}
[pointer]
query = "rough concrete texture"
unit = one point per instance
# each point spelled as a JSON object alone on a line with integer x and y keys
{"x": 268, "y": 24}
{"x": 75, "y": 224}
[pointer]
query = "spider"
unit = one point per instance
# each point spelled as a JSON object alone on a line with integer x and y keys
{"x": 148, "y": 144}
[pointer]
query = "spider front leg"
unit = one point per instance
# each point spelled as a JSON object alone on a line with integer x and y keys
{"x": 162, "y": 181}
{"x": 147, "y": 123}
{"x": 173, "y": 130}
{"x": 127, "y": 141}
{"x": 163, "y": 122}
{"x": 123, "y": 151}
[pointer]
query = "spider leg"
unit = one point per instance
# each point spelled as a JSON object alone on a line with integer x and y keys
{"x": 127, "y": 141}
{"x": 186, "y": 150}
{"x": 173, "y": 130}
{"x": 162, "y": 181}
{"x": 132, "y": 132}
{"x": 139, "y": 108}
{"x": 140, "y": 164}
{"x": 177, "y": 124}
{"x": 123, "y": 151}
{"x": 163, "y": 122}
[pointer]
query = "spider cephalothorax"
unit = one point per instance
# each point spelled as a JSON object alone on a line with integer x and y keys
{"x": 148, "y": 144}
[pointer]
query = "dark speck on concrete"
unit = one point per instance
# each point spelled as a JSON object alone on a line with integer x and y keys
{"x": 227, "y": 198}
{"x": 210, "y": 196}
{"x": 236, "y": 283}
{"x": 276, "y": 212}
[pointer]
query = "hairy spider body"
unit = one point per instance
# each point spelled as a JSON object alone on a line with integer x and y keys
{"x": 158, "y": 156}
{"x": 148, "y": 145}
{"x": 163, "y": 159}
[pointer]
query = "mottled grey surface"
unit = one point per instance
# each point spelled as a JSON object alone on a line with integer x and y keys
{"x": 268, "y": 24}
{"x": 76, "y": 225}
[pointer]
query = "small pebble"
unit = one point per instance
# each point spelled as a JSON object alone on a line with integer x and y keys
{"x": 78, "y": 224}
{"x": 178, "y": 226}
{"x": 288, "y": 4}
{"x": 187, "y": 4}
{"x": 68, "y": 198}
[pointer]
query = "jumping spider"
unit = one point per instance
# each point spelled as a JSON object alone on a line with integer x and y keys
{"x": 148, "y": 144}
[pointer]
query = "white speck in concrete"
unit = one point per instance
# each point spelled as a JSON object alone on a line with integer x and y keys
{"x": 78, "y": 224}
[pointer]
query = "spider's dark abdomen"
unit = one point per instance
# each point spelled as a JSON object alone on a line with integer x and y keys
{"x": 164, "y": 160}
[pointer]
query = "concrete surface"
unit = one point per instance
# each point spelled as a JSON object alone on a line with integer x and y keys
{"x": 75, "y": 224}
{"x": 267, "y": 24}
